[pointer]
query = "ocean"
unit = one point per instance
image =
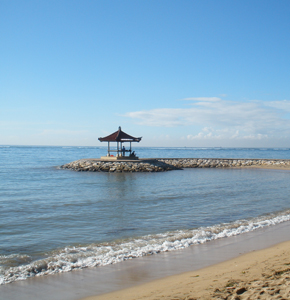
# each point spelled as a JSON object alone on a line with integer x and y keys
{"x": 54, "y": 220}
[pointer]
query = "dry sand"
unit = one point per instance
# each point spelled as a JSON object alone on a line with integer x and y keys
{"x": 263, "y": 274}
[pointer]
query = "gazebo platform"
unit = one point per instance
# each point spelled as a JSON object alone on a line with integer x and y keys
{"x": 118, "y": 158}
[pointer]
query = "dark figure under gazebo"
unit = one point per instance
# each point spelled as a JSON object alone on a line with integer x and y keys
{"x": 120, "y": 137}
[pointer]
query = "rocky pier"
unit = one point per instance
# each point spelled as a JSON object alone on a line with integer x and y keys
{"x": 225, "y": 163}
{"x": 168, "y": 164}
{"x": 94, "y": 165}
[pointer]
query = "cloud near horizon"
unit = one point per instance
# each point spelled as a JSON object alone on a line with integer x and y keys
{"x": 207, "y": 99}
{"x": 222, "y": 119}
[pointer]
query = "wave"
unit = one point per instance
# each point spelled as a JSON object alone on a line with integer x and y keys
{"x": 94, "y": 255}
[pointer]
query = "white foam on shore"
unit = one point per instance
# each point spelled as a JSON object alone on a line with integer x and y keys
{"x": 94, "y": 255}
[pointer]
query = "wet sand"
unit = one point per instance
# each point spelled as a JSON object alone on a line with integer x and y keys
{"x": 136, "y": 272}
{"x": 263, "y": 274}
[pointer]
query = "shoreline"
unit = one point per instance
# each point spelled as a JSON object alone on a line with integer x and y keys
{"x": 259, "y": 274}
{"x": 133, "y": 274}
{"x": 90, "y": 277}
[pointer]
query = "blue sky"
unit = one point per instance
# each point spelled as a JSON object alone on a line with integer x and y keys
{"x": 179, "y": 73}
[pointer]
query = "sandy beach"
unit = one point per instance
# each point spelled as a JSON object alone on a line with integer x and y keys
{"x": 263, "y": 274}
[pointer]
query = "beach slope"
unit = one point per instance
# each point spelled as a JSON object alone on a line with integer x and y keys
{"x": 263, "y": 274}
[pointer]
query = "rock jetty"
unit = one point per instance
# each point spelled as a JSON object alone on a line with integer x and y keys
{"x": 94, "y": 165}
{"x": 225, "y": 163}
{"x": 168, "y": 164}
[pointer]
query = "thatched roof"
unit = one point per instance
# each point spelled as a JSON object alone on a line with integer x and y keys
{"x": 120, "y": 136}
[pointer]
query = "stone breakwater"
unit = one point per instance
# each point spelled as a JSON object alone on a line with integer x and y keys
{"x": 167, "y": 164}
{"x": 94, "y": 165}
{"x": 225, "y": 163}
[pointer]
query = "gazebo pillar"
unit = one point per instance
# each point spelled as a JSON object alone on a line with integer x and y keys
{"x": 120, "y": 137}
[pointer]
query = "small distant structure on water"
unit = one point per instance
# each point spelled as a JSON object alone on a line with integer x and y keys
{"x": 120, "y": 137}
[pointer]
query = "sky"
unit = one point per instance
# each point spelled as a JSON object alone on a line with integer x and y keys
{"x": 178, "y": 73}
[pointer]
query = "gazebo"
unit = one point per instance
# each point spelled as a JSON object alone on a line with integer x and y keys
{"x": 120, "y": 137}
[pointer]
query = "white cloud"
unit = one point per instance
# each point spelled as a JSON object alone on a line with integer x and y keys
{"x": 210, "y": 133}
{"x": 62, "y": 132}
{"x": 283, "y": 105}
{"x": 222, "y": 119}
{"x": 207, "y": 99}
{"x": 166, "y": 117}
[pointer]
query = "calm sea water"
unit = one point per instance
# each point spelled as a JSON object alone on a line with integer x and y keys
{"x": 54, "y": 220}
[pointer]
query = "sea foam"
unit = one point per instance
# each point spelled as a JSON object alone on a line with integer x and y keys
{"x": 94, "y": 255}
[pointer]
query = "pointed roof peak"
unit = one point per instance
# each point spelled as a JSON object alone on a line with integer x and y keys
{"x": 120, "y": 136}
